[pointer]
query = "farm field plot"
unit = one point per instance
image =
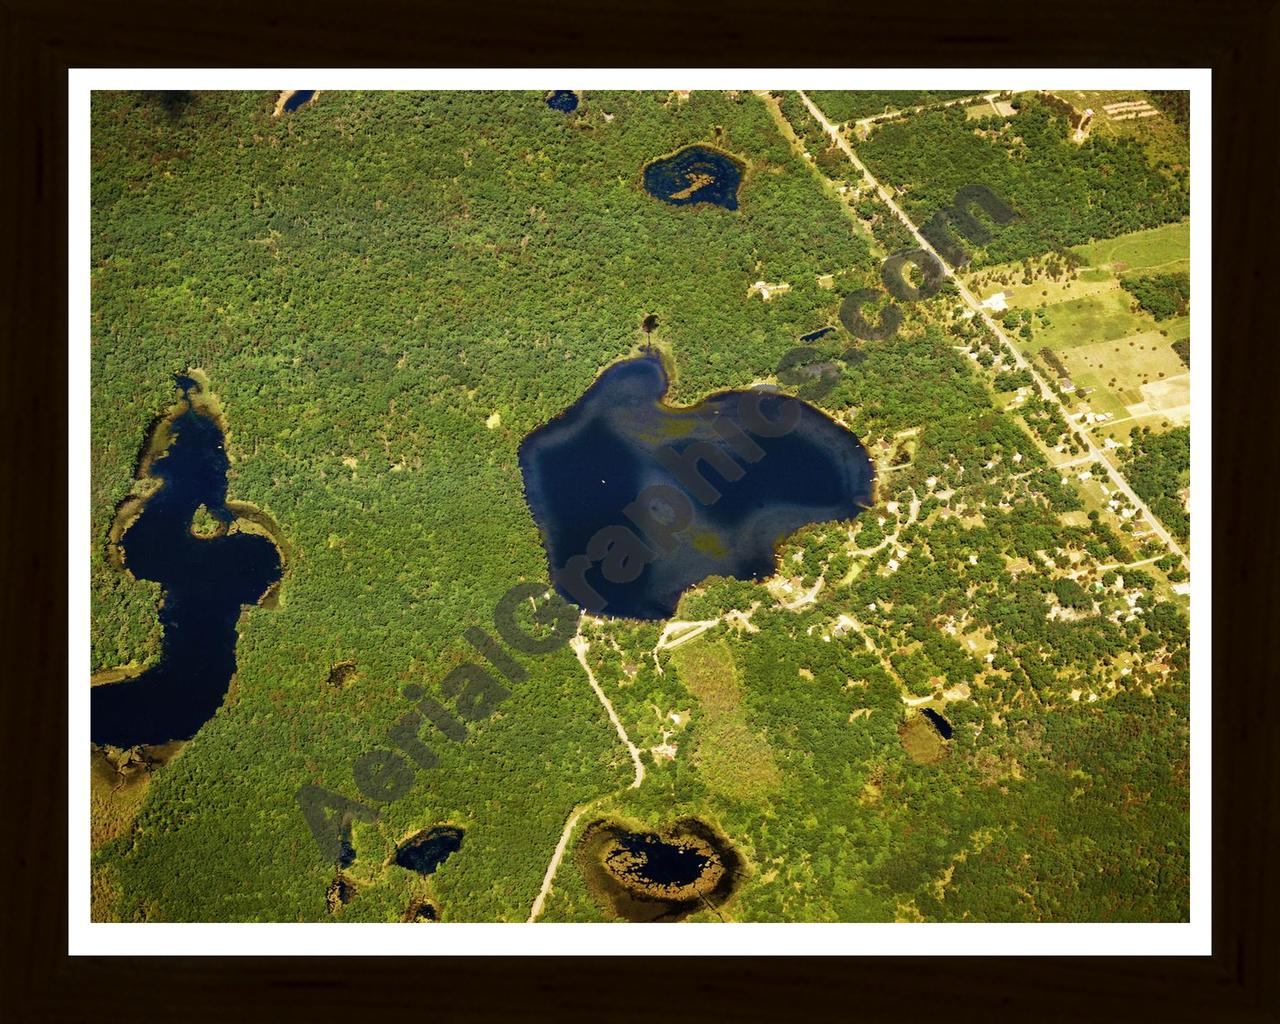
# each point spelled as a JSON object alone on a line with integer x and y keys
{"x": 1150, "y": 380}
{"x": 1092, "y": 318}
{"x": 1120, "y": 357}
{"x": 1165, "y": 249}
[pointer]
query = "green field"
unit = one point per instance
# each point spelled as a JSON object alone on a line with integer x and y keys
{"x": 1123, "y": 356}
{"x": 1166, "y": 249}
{"x": 1088, "y": 320}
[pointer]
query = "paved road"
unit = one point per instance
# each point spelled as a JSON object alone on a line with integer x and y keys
{"x": 1119, "y": 482}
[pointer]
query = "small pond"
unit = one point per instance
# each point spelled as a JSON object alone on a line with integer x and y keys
{"x": 299, "y": 97}
{"x": 425, "y": 851}
{"x": 658, "y": 876}
{"x": 696, "y": 174}
{"x": 563, "y": 100}
{"x": 621, "y": 459}
{"x": 938, "y": 722}
{"x": 206, "y": 581}
{"x": 815, "y": 335}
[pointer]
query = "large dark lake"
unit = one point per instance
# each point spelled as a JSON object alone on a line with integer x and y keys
{"x": 696, "y": 174}
{"x": 582, "y": 470}
{"x": 206, "y": 582}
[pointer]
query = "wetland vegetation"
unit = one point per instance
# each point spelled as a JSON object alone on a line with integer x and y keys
{"x": 658, "y": 876}
{"x": 178, "y": 538}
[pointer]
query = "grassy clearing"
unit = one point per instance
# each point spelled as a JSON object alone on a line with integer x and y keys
{"x": 1122, "y": 357}
{"x": 1136, "y": 376}
{"x": 1166, "y": 248}
{"x": 1089, "y": 319}
{"x": 921, "y": 740}
{"x": 733, "y": 760}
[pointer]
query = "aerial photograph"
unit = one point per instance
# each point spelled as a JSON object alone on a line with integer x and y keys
{"x": 638, "y": 506}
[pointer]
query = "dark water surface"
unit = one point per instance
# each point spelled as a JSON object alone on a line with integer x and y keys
{"x": 428, "y": 849}
{"x": 206, "y": 582}
{"x": 938, "y": 722}
{"x": 300, "y": 97}
{"x": 564, "y": 100}
{"x": 662, "y": 862}
{"x": 585, "y": 467}
{"x": 696, "y": 174}
{"x": 815, "y": 335}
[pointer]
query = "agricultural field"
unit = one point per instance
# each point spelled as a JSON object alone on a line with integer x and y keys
{"x": 1166, "y": 249}
{"x": 1120, "y": 359}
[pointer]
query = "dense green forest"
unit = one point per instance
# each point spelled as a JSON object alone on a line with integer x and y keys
{"x": 1065, "y": 193}
{"x": 1018, "y": 820}
{"x": 387, "y": 292}
{"x": 1161, "y": 295}
{"x": 1158, "y": 467}
{"x": 365, "y": 283}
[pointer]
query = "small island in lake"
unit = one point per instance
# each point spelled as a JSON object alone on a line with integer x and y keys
{"x": 695, "y": 174}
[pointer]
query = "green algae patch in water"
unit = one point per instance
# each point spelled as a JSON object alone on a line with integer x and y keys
{"x": 695, "y": 174}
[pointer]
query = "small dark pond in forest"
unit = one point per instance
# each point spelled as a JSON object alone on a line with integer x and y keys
{"x": 564, "y": 100}
{"x": 656, "y": 862}
{"x": 206, "y": 582}
{"x": 815, "y": 335}
{"x": 938, "y": 722}
{"x": 708, "y": 489}
{"x": 696, "y": 174}
{"x": 658, "y": 876}
{"x": 425, "y": 851}
{"x": 299, "y": 97}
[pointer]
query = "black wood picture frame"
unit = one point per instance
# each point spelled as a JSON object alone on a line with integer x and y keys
{"x": 40, "y": 40}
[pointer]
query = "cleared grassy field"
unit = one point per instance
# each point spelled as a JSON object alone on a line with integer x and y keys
{"x": 1049, "y": 293}
{"x": 1166, "y": 249}
{"x": 1124, "y": 359}
{"x": 734, "y": 760}
{"x": 1101, "y": 316}
{"x": 1124, "y": 367}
